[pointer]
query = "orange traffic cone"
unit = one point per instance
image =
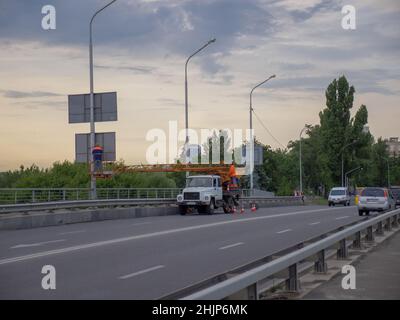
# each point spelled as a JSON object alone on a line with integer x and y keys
{"x": 242, "y": 210}
{"x": 253, "y": 207}
{"x": 234, "y": 210}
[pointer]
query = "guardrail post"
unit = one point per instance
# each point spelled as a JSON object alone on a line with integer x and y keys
{"x": 252, "y": 292}
{"x": 379, "y": 229}
{"x": 33, "y": 196}
{"x": 320, "y": 265}
{"x": 342, "y": 251}
{"x": 357, "y": 240}
{"x": 388, "y": 225}
{"x": 293, "y": 283}
{"x": 15, "y": 197}
{"x": 370, "y": 234}
{"x": 64, "y": 193}
{"x": 395, "y": 222}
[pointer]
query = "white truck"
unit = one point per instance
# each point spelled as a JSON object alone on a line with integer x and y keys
{"x": 205, "y": 193}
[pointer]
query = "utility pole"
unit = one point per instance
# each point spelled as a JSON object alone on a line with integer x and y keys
{"x": 93, "y": 191}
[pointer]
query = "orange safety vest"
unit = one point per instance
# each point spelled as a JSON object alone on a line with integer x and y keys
{"x": 232, "y": 171}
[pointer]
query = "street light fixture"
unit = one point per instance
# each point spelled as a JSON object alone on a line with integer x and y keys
{"x": 300, "y": 164}
{"x": 347, "y": 145}
{"x": 348, "y": 172}
{"x": 388, "y": 171}
{"x": 92, "y": 124}
{"x": 186, "y": 97}
{"x": 365, "y": 130}
{"x": 251, "y": 131}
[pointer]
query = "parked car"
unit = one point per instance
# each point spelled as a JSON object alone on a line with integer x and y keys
{"x": 339, "y": 195}
{"x": 396, "y": 195}
{"x": 375, "y": 199}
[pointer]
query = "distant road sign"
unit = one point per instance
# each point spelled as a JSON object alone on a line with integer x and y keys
{"x": 82, "y": 146}
{"x": 258, "y": 154}
{"x": 105, "y": 107}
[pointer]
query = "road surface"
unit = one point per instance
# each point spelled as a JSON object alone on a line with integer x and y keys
{"x": 146, "y": 258}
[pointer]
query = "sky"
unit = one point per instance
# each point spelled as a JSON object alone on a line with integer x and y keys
{"x": 140, "y": 49}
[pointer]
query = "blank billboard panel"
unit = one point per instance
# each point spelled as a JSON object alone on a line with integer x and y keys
{"x": 104, "y": 139}
{"x": 105, "y": 107}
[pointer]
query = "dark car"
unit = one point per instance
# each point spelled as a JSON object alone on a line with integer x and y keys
{"x": 396, "y": 195}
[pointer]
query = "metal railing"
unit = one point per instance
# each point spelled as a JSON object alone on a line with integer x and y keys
{"x": 39, "y": 195}
{"x": 246, "y": 284}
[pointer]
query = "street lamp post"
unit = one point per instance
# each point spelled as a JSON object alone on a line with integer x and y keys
{"x": 348, "y": 172}
{"x": 186, "y": 97}
{"x": 365, "y": 130}
{"x": 300, "y": 164}
{"x": 92, "y": 120}
{"x": 251, "y": 131}
{"x": 388, "y": 171}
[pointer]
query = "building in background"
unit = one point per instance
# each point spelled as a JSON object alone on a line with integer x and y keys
{"x": 393, "y": 146}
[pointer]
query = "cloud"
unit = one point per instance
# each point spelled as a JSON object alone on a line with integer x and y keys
{"x": 28, "y": 94}
{"x": 135, "y": 69}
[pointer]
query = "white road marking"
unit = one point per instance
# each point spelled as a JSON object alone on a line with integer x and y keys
{"x": 314, "y": 223}
{"x": 154, "y": 234}
{"x": 72, "y": 232}
{"x": 283, "y": 231}
{"x": 140, "y": 272}
{"x": 340, "y": 218}
{"x": 34, "y": 244}
{"x": 231, "y": 245}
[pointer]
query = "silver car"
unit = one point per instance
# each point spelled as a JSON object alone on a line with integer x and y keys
{"x": 339, "y": 195}
{"x": 375, "y": 199}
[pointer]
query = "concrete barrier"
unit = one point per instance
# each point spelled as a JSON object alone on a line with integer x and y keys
{"x": 60, "y": 217}
{"x": 27, "y": 220}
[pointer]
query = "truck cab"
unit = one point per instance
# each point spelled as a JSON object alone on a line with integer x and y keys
{"x": 205, "y": 193}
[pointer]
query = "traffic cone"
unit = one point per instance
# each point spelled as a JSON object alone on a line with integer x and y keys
{"x": 242, "y": 210}
{"x": 253, "y": 207}
{"x": 234, "y": 210}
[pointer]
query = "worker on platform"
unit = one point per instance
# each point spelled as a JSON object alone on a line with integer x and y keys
{"x": 232, "y": 175}
{"x": 97, "y": 157}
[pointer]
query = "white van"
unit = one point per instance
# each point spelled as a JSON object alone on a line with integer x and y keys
{"x": 339, "y": 195}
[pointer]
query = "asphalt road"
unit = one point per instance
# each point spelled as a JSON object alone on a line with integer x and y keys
{"x": 146, "y": 258}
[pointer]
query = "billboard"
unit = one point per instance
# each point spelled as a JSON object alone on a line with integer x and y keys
{"x": 258, "y": 154}
{"x": 105, "y": 107}
{"x": 104, "y": 139}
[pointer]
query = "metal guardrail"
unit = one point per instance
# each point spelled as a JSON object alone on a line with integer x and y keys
{"x": 54, "y": 205}
{"x": 83, "y": 204}
{"x": 39, "y": 195}
{"x": 247, "y": 282}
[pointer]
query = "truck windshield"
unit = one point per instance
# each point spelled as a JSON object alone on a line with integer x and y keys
{"x": 338, "y": 192}
{"x": 199, "y": 182}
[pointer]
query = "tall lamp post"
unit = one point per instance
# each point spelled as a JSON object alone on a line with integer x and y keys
{"x": 92, "y": 123}
{"x": 186, "y": 97}
{"x": 300, "y": 164}
{"x": 351, "y": 171}
{"x": 251, "y": 131}
{"x": 365, "y": 130}
{"x": 388, "y": 171}
{"x": 342, "y": 152}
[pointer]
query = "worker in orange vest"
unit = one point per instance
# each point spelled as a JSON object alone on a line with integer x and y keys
{"x": 232, "y": 175}
{"x": 97, "y": 157}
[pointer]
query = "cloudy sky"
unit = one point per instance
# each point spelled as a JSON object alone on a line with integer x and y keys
{"x": 140, "y": 51}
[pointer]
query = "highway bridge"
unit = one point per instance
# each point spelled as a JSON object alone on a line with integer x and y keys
{"x": 156, "y": 257}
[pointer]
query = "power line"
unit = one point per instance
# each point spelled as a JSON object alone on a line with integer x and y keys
{"x": 269, "y": 132}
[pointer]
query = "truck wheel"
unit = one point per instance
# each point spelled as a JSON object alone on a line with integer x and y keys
{"x": 182, "y": 210}
{"x": 210, "y": 208}
{"x": 360, "y": 212}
